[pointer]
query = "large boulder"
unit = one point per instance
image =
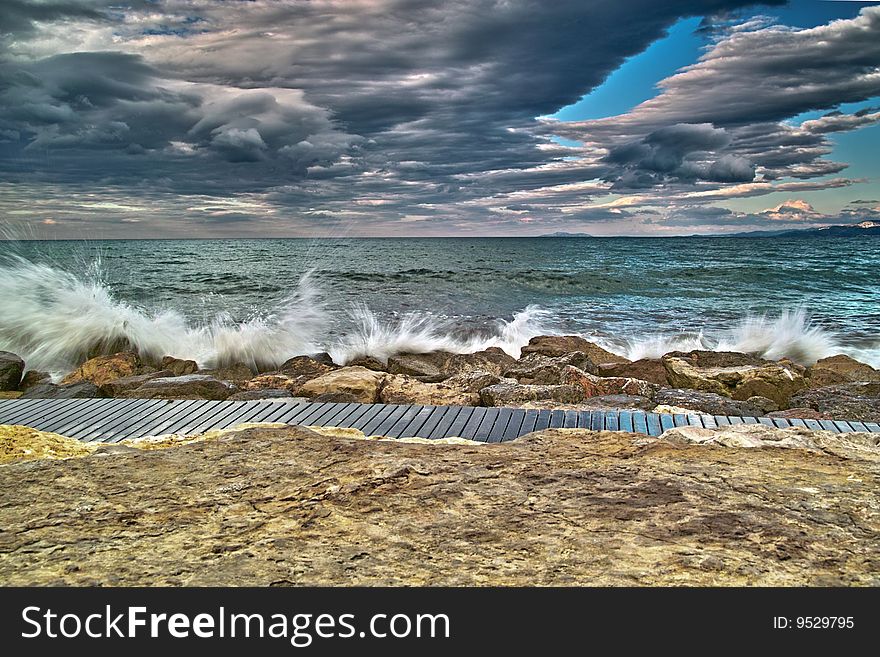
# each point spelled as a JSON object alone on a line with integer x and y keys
{"x": 539, "y": 369}
{"x": 632, "y": 402}
{"x": 11, "y": 369}
{"x": 116, "y": 387}
{"x": 360, "y": 382}
{"x": 599, "y": 386}
{"x": 402, "y": 389}
{"x": 103, "y": 369}
{"x": 559, "y": 345}
{"x": 179, "y": 366}
{"x": 305, "y": 368}
{"x": 840, "y": 369}
{"x": 645, "y": 369}
{"x": 712, "y": 403}
{"x": 79, "y": 390}
{"x": 238, "y": 373}
{"x": 426, "y": 367}
{"x": 440, "y": 365}
{"x": 517, "y": 394}
{"x": 800, "y": 413}
{"x": 472, "y": 381}
{"x": 272, "y": 381}
{"x": 734, "y": 375}
{"x": 847, "y": 401}
{"x": 191, "y": 386}
{"x": 32, "y": 378}
{"x": 369, "y": 362}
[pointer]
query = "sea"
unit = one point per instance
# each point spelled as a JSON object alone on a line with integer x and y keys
{"x": 262, "y": 301}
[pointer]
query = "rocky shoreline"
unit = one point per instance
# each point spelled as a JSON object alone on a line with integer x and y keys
{"x": 553, "y": 372}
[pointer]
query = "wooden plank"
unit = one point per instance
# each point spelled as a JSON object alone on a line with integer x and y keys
{"x": 655, "y": 427}
{"x": 767, "y": 421}
{"x": 369, "y": 427}
{"x": 385, "y": 427}
{"x": 557, "y": 418}
{"x": 499, "y": 427}
{"x": 843, "y": 426}
{"x": 781, "y": 422}
{"x": 735, "y": 420}
{"x": 46, "y": 411}
{"x": 797, "y": 423}
{"x": 337, "y": 413}
{"x": 21, "y": 413}
{"x": 626, "y": 421}
{"x": 598, "y": 421}
{"x": 873, "y": 427}
{"x": 284, "y": 409}
{"x": 322, "y": 419}
{"x": 461, "y": 420}
{"x": 485, "y": 428}
{"x": 640, "y": 422}
{"x": 543, "y": 421}
{"x": 431, "y": 423}
{"x": 242, "y": 416}
{"x": 80, "y": 413}
{"x": 694, "y": 420}
{"x": 156, "y": 425}
{"x": 723, "y": 421}
{"x": 308, "y": 415}
{"x": 750, "y": 420}
{"x": 828, "y": 425}
{"x": 857, "y": 426}
{"x": 611, "y": 421}
{"x": 192, "y": 422}
{"x": 709, "y": 421}
{"x": 294, "y": 412}
{"x": 666, "y": 421}
{"x": 413, "y": 428}
{"x": 813, "y": 424}
{"x": 571, "y": 420}
{"x": 114, "y": 420}
{"x": 271, "y": 407}
{"x": 469, "y": 430}
{"x": 529, "y": 422}
{"x": 403, "y": 421}
{"x": 52, "y": 416}
{"x": 366, "y": 418}
{"x": 446, "y": 422}
{"x": 680, "y": 419}
{"x": 514, "y": 425}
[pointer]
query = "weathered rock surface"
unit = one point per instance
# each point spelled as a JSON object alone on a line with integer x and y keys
{"x": 599, "y": 386}
{"x": 11, "y": 369}
{"x": 116, "y": 387}
{"x": 277, "y": 381}
{"x": 103, "y": 369}
{"x": 564, "y": 507}
{"x": 735, "y": 375}
{"x": 401, "y": 389}
{"x": 369, "y": 362}
{"x": 32, "y": 378}
{"x": 709, "y": 402}
{"x": 548, "y": 370}
{"x": 360, "y": 382}
{"x": 191, "y": 386}
{"x": 238, "y": 373}
{"x": 305, "y": 368}
{"x": 81, "y": 390}
{"x": 560, "y": 345}
{"x": 848, "y": 401}
{"x": 840, "y": 369}
{"x": 800, "y": 413}
{"x": 516, "y": 394}
{"x": 426, "y": 367}
{"x": 179, "y": 366}
{"x": 636, "y": 402}
{"x": 473, "y": 381}
{"x": 646, "y": 369}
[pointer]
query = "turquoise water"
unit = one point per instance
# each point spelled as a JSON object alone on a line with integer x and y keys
{"x": 623, "y": 291}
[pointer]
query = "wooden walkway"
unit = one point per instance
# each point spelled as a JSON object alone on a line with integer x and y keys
{"x": 111, "y": 420}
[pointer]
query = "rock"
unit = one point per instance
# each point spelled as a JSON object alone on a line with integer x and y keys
{"x": 324, "y": 358}
{"x": 269, "y": 381}
{"x": 11, "y": 369}
{"x": 401, "y": 389}
{"x": 762, "y": 403}
{"x": 473, "y": 381}
{"x": 265, "y": 393}
{"x": 840, "y": 369}
{"x": 600, "y": 386}
{"x": 559, "y": 345}
{"x": 369, "y": 362}
{"x": 305, "y": 368}
{"x": 547, "y": 370}
{"x": 734, "y": 375}
{"x": 492, "y": 360}
{"x": 10, "y": 394}
{"x": 360, "y": 382}
{"x": 80, "y": 390}
{"x": 617, "y": 401}
{"x": 238, "y": 373}
{"x": 32, "y": 378}
{"x": 116, "y": 387}
{"x": 707, "y": 402}
{"x": 515, "y": 394}
{"x": 846, "y": 401}
{"x": 103, "y": 369}
{"x": 426, "y": 367}
{"x": 178, "y": 366}
{"x": 557, "y": 508}
{"x": 190, "y": 386}
{"x": 644, "y": 369}
{"x": 800, "y": 413}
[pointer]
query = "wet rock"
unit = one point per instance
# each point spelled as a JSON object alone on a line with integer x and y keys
{"x": 840, "y": 369}
{"x": 734, "y": 375}
{"x": 560, "y": 507}
{"x": 440, "y": 365}
{"x": 80, "y": 390}
{"x": 515, "y": 394}
{"x": 116, "y": 387}
{"x": 324, "y": 358}
{"x": 305, "y": 368}
{"x": 11, "y": 369}
{"x": 32, "y": 378}
{"x": 238, "y": 373}
{"x": 401, "y": 389}
{"x": 266, "y": 381}
{"x": 492, "y": 360}
{"x": 847, "y": 401}
{"x": 265, "y": 393}
{"x": 473, "y": 381}
{"x": 179, "y": 366}
{"x": 559, "y": 345}
{"x": 800, "y": 413}
{"x": 708, "y": 402}
{"x": 426, "y": 367}
{"x": 360, "y": 382}
{"x": 599, "y": 386}
{"x": 103, "y": 369}
{"x": 634, "y": 402}
{"x": 644, "y": 369}
{"x": 548, "y": 370}
{"x": 369, "y": 362}
{"x": 191, "y": 386}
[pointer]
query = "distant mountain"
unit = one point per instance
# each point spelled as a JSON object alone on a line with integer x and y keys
{"x": 864, "y": 229}
{"x": 564, "y": 234}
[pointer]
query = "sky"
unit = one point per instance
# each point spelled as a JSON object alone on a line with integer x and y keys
{"x": 347, "y": 118}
